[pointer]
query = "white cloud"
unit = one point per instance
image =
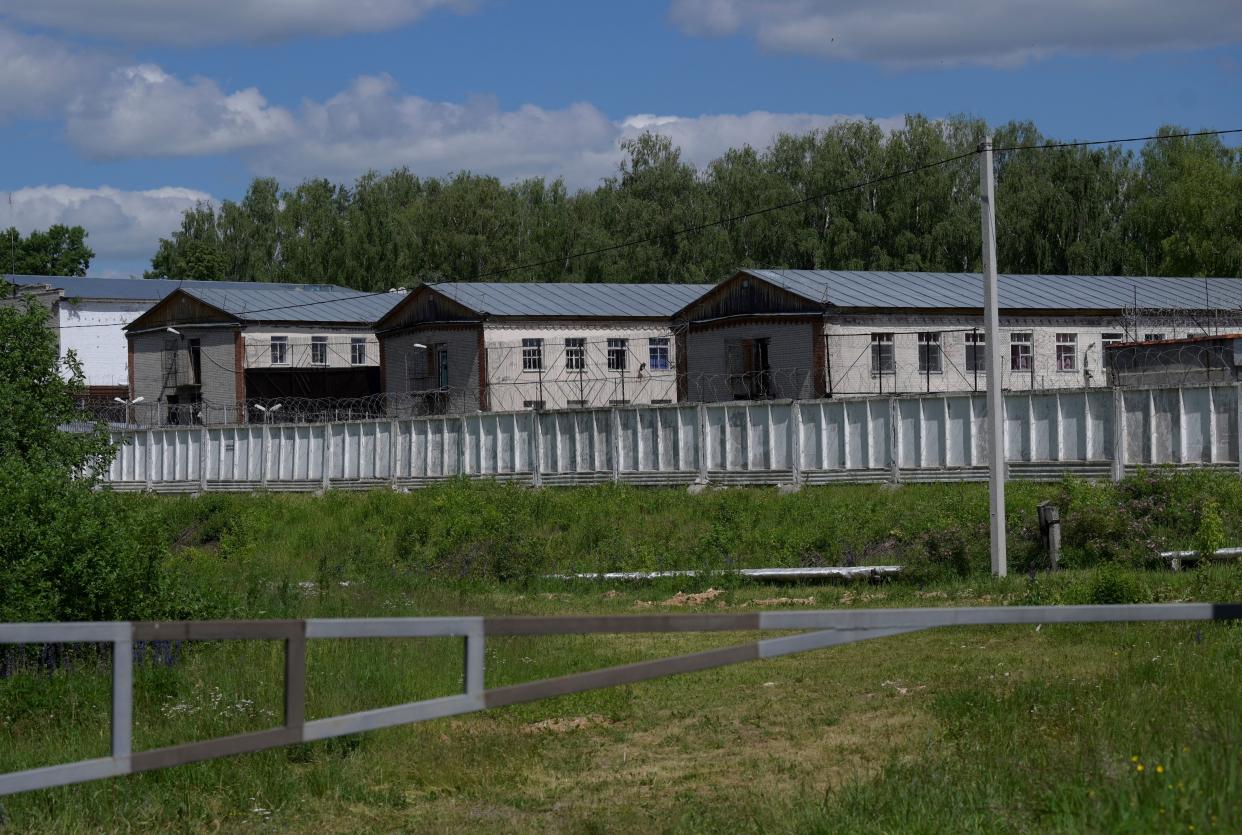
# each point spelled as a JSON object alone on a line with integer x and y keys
{"x": 995, "y": 32}
{"x": 38, "y": 75}
{"x": 143, "y": 111}
{"x": 191, "y": 22}
{"x": 122, "y": 224}
{"x": 373, "y": 124}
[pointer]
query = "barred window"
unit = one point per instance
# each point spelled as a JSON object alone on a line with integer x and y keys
{"x": 532, "y": 355}
{"x": 1067, "y": 352}
{"x": 280, "y": 350}
{"x": 1153, "y": 337}
{"x": 575, "y": 353}
{"x": 1021, "y": 352}
{"x": 319, "y": 350}
{"x": 617, "y": 350}
{"x": 882, "y": 360}
{"x": 358, "y": 350}
{"x": 658, "y": 349}
{"x": 976, "y": 352}
{"x": 442, "y": 367}
{"x": 929, "y": 353}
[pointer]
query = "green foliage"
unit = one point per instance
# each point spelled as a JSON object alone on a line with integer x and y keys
{"x": 61, "y": 250}
{"x": 1210, "y": 536}
{"x": 67, "y": 551}
{"x": 1170, "y": 210}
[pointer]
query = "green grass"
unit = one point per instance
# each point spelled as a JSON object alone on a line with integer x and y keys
{"x": 999, "y": 729}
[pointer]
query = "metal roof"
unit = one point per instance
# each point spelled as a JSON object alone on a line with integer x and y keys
{"x": 842, "y": 288}
{"x": 138, "y": 289}
{"x": 650, "y": 301}
{"x": 304, "y": 303}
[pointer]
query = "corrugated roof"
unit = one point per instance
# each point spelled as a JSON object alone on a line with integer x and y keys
{"x": 655, "y": 301}
{"x": 278, "y": 303}
{"x": 843, "y": 288}
{"x": 139, "y": 289}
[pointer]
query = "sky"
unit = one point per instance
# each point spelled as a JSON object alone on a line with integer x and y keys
{"x": 118, "y": 120}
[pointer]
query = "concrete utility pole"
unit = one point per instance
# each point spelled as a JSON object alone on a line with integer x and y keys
{"x": 996, "y": 403}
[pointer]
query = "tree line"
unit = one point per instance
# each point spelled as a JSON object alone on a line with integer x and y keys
{"x": 1171, "y": 207}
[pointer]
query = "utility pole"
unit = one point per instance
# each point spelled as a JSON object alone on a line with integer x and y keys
{"x": 996, "y": 404}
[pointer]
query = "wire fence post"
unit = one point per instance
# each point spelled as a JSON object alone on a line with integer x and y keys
{"x": 1237, "y": 424}
{"x": 894, "y": 440}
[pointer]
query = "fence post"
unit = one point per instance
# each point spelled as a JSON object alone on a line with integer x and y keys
{"x": 264, "y": 449}
{"x": 701, "y": 411}
{"x": 327, "y": 456}
{"x": 204, "y": 441}
{"x": 536, "y": 458}
{"x": 616, "y": 444}
{"x": 1119, "y": 434}
{"x": 795, "y": 444}
{"x": 1237, "y": 424}
{"x": 150, "y": 458}
{"x": 894, "y": 440}
{"x": 392, "y": 453}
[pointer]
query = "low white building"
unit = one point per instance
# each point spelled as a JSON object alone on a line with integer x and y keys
{"x": 821, "y": 333}
{"x": 509, "y": 346}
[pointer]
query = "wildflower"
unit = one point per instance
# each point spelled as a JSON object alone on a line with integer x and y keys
{"x": 1160, "y": 769}
{"x": 1134, "y": 758}
{"x": 1138, "y": 767}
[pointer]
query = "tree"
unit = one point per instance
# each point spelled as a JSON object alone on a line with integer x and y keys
{"x": 61, "y": 250}
{"x": 67, "y": 551}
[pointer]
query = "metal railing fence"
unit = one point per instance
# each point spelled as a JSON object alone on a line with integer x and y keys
{"x": 824, "y": 628}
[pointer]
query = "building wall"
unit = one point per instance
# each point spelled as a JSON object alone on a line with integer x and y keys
{"x": 161, "y": 365}
{"x": 409, "y": 370}
{"x": 94, "y": 331}
{"x": 511, "y": 387}
{"x": 792, "y": 346}
{"x": 849, "y": 346}
{"x": 258, "y": 342}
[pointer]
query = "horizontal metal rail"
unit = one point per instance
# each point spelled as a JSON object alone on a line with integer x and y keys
{"x": 819, "y": 629}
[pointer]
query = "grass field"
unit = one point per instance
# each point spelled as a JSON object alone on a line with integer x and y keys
{"x": 1125, "y": 728}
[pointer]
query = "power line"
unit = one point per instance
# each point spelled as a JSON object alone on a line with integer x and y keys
{"x": 687, "y": 230}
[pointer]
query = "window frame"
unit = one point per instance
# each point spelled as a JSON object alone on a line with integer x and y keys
{"x": 878, "y": 342}
{"x": 976, "y": 353}
{"x": 1062, "y": 341}
{"x": 575, "y": 353}
{"x": 281, "y": 342}
{"x": 320, "y": 342}
{"x": 1107, "y": 340}
{"x": 657, "y": 353}
{"x": 1020, "y": 361}
{"x": 927, "y": 339}
{"x": 618, "y": 354}
{"x": 357, "y": 357}
{"x": 532, "y": 354}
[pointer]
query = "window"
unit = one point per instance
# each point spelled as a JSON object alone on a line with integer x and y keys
{"x": 532, "y": 354}
{"x": 976, "y": 351}
{"x": 658, "y": 347}
{"x": 319, "y": 350}
{"x": 1067, "y": 352}
{"x": 617, "y": 350}
{"x": 1021, "y": 352}
{"x": 929, "y": 353}
{"x": 882, "y": 361}
{"x": 1107, "y": 340}
{"x": 662, "y": 401}
{"x": 537, "y": 405}
{"x": 280, "y": 350}
{"x": 358, "y": 350}
{"x": 575, "y": 353}
{"x": 442, "y": 368}
{"x": 618, "y": 402}
{"x": 575, "y": 404}
{"x": 1153, "y": 337}
{"x": 196, "y": 361}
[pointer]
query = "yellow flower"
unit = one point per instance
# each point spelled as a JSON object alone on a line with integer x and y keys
{"x": 1138, "y": 767}
{"x": 1160, "y": 769}
{"x": 1134, "y": 758}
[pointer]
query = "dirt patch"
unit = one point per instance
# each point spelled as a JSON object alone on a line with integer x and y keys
{"x": 565, "y": 724}
{"x": 611, "y": 593}
{"x": 683, "y": 599}
{"x": 782, "y": 601}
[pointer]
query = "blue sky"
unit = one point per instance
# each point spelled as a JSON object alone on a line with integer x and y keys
{"x": 121, "y": 119}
